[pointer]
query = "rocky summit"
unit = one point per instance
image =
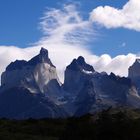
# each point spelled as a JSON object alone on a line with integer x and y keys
{"x": 32, "y": 89}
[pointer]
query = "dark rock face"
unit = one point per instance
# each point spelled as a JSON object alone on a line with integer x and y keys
{"x": 134, "y": 70}
{"x": 85, "y": 99}
{"x": 41, "y": 58}
{"x": 121, "y": 80}
{"x": 134, "y": 74}
{"x": 19, "y": 103}
{"x": 79, "y": 64}
{"x": 76, "y": 74}
{"x": 18, "y": 64}
{"x": 101, "y": 92}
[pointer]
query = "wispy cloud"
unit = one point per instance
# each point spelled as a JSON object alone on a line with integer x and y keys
{"x": 110, "y": 17}
{"x": 66, "y": 25}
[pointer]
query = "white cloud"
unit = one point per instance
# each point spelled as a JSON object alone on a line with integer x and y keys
{"x": 63, "y": 48}
{"x": 119, "y": 64}
{"x": 110, "y": 17}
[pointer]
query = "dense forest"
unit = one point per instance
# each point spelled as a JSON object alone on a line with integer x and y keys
{"x": 111, "y": 124}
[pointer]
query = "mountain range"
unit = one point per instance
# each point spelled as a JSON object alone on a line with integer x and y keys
{"x": 32, "y": 89}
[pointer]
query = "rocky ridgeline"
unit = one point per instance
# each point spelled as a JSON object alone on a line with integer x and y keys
{"x": 31, "y": 89}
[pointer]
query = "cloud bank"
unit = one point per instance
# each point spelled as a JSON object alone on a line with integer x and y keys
{"x": 110, "y": 17}
{"x": 65, "y": 36}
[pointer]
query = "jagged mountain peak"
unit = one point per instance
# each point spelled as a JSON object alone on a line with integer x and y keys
{"x": 81, "y": 60}
{"x": 34, "y": 75}
{"x": 79, "y": 64}
{"x": 42, "y": 57}
{"x": 76, "y": 74}
{"x": 134, "y": 70}
{"x": 137, "y": 60}
{"x": 135, "y": 65}
{"x": 120, "y": 80}
{"x": 44, "y": 52}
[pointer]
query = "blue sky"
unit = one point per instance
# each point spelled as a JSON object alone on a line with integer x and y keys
{"x": 20, "y": 20}
{"x": 105, "y": 32}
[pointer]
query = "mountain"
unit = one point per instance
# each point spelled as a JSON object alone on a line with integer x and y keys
{"x": 134, "y": 70}
{"x": 37, "y": 75}
{"x": 32, "y": 89}
{"x": 92, "y": 91}
{"x": 134, "y": 74}
{"x": 76, "y": 74}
